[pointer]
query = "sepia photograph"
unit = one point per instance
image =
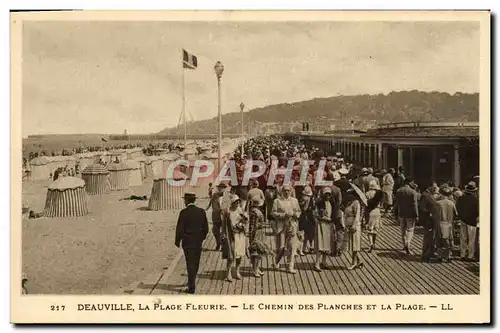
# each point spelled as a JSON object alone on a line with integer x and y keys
{"x": 170, "y": 155}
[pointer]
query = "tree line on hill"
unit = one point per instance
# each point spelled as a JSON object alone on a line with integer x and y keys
{"x": 393, "y": 107}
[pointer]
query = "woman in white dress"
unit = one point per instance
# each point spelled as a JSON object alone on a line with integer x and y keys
{"x": 234, "y": 229}
{"x": 286, "y": 211}
{"x": 374, "y": 196}
{"x": 352, "y": 217}
{"x": 323, "y": 241}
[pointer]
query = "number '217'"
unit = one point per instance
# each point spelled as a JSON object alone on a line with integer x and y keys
{"x": 57, "y": 307}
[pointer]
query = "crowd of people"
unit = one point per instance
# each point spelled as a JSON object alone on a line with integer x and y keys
{"x": 330, "y": 220}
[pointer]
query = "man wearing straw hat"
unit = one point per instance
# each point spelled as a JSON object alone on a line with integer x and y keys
{"x": 388, "y": 189}
{"x": 191, "y": 231}
{"x": 448, "y": 213}
{"x": 468, "y": 213}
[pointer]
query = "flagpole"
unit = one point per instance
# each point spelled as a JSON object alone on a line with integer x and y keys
{"x": 184, "y": 106}
{"x": 242, "y": 106}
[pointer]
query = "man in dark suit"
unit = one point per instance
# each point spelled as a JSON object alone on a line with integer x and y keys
{"x": 406, "y": 206}
{"x": 192, "y": 229}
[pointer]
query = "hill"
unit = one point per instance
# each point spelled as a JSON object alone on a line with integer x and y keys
{"x": 363, "y": 110}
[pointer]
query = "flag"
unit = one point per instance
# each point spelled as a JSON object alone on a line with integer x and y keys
{"x": 103, "y": 139}
{"x": 189, "y": 60}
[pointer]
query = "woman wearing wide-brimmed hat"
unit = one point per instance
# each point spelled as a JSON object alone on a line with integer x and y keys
{"x": 324, "y": 240}
{"x": 256, "y": 236}
{"x": 306, "y": 220}
{"x": 374, "y": 196}
{"x": 352, "y": 218}
{"x": 234, "y": 228}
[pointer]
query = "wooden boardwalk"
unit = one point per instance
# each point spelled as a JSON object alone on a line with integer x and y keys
{"x": 386, "y": 271}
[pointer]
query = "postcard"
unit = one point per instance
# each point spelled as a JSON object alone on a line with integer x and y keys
{"x": 250, "y": 167}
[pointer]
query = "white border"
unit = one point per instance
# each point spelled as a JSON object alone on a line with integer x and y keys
{"x": 249, "y": 4}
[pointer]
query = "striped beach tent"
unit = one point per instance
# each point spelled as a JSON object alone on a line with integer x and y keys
{"x": 66, "y": 197}
{"x": 118, "y": 176}
{"x": 190, "y": 154}
{"x": 96, "y": 178}
{"x": 191, "y": 158}
{"x": 134, "y": 173}
{"x": 165, "y": 196}
{"x": 168, "y": 159}
{"x": 148, "y": 168}
{"x": 156, "y": 165}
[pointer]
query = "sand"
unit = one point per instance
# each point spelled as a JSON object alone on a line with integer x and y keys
{"x": 117, "y": 244}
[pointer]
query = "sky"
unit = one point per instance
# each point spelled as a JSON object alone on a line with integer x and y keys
{"x": 105, "y": 77}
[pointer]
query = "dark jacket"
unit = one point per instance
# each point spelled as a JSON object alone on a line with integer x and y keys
{"x": 192, "y": 227}
{"x": 375, "y": 201}
{"x": 407, "y": 202}
{"x": 336, "y": 202}
{"x": 399, "y": 181}
{"x": 468, "y": 209}
{"x": 430, "y": 212}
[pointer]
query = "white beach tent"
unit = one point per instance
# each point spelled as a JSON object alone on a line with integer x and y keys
{"x": 134, "y": 173}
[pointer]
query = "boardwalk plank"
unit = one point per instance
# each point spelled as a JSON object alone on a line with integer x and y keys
{"x": 303, "y": 271}
{"x": 274, "y": 279}
{"x": 312, "y": 275}
{"x": 331, "y": 277}
{"x": 294, "y": 279}
{"x": 319, "y": 277}
{"x": 208, "y": 260}
{"x": 439, "y": 273}
{"x": 423, "y": 267}
{"x": 436, "y": 275}
{"x": 403, "y": 270}
{"x": 341, "y": 282}
{"x": 218, "y": 273}
{"x": 266, "y": 278}
{"x": 385, "y": 264}
{"x": 387, "y": 271}
{"x": 383, "y": 280}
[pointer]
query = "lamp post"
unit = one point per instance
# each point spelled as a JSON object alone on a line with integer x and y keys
{"x": 219, "y": 69}
{"x": 242, "y": 106}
